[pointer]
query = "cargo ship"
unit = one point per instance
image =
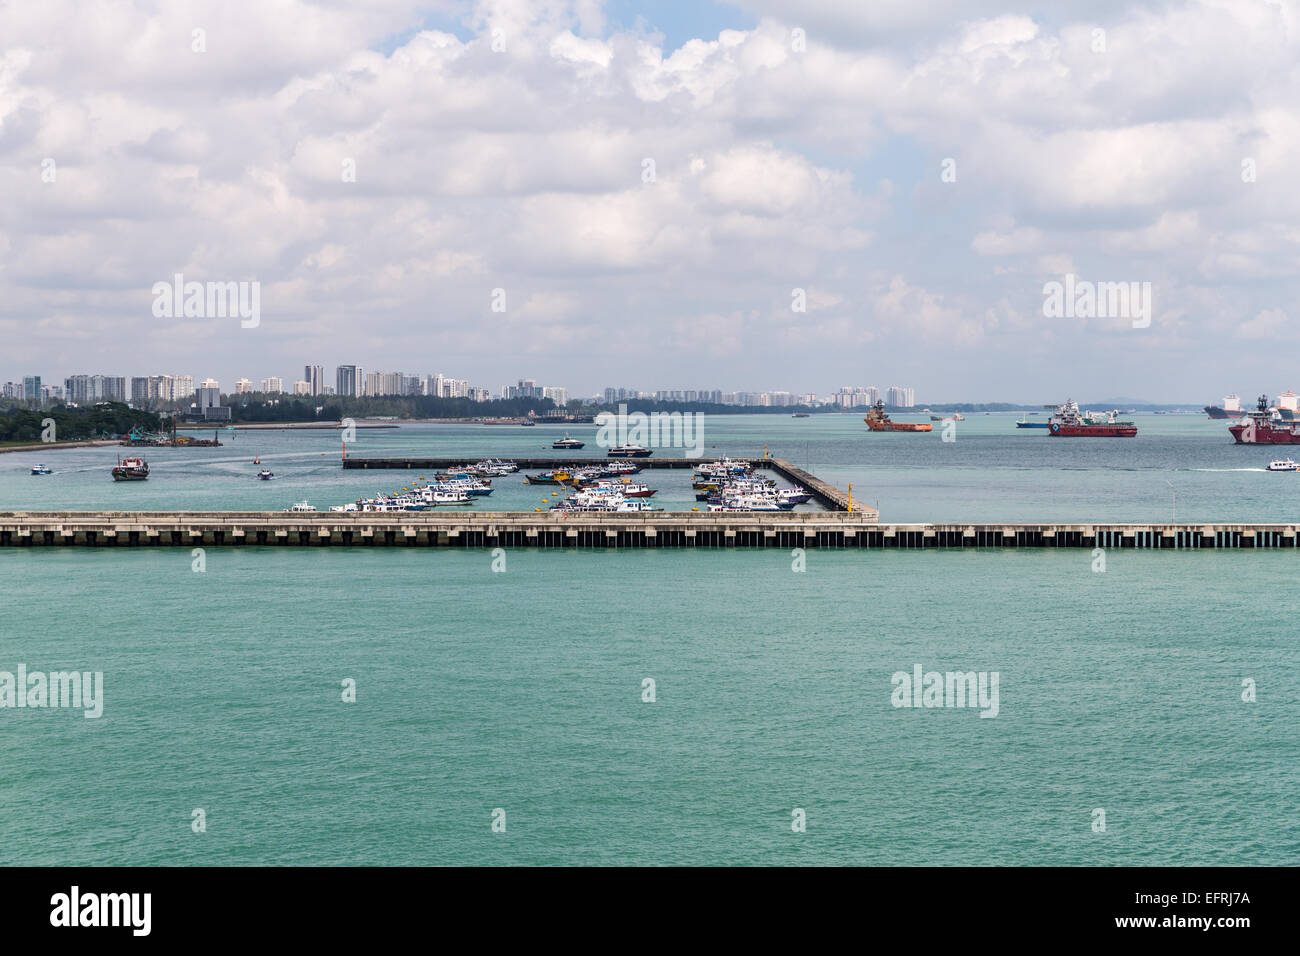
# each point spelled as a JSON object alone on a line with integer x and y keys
{"x": 1069, "y": 422}
{"x": 1265, "y": 426}
{"x": 1231, "y": 408}
{"x": 878, "y": 421}
{"x": 131, "y": 469}
{"x": 1287, "y": 408}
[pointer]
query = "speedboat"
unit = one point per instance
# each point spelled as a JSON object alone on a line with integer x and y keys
{"x": 265, "y": 474}
{"x": 1282, "y": 464}
{"x": 42, "y": 470}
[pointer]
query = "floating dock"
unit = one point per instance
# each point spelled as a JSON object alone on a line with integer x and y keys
{"x": 819, "y": 529}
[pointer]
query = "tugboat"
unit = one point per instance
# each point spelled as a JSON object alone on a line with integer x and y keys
{"x": 131, "y": 469}
{"x": 878, "y": 421}
{"x": 1069, "y": 422}
{"x": 42, "y": 470}
{"x": 1265, "y": 427}
{"x": 567, "y": 442}
{"x": 628, "y": 451}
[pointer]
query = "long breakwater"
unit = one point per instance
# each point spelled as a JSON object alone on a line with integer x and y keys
{"x": 601, "y": 530}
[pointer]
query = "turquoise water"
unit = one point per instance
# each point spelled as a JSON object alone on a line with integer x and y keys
{"x": 992, "y": 471}
{"x": 522, "y": 690}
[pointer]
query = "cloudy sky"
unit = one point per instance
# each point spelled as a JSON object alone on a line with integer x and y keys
{"x": 649, "y": 183}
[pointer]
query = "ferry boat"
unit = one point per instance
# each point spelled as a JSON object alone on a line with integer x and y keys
{"x": 1069, "y": 422}
{"x": 628, "y": 451}
{"x": 1282, "y": 464}
{"x": 878, "y": 421}
{"x": 1264, "y": 426}
{"x": 131, "y": 469}
{"x": 42, "y": 470}
{"x": 266, "y": 474}
{"x": 567, "y": 442}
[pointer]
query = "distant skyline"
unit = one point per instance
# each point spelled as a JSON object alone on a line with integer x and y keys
{"x": 748, "y": 196}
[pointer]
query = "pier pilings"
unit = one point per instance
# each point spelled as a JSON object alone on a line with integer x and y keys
{"x": 786, "y": 530}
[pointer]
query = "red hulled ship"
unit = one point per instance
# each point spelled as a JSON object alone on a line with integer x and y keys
{"x": 1265, "y": 427}
{"x": 1068, "y": 422}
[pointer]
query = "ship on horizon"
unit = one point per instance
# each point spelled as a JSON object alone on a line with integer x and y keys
{"x": 1069, "y": 422}
{"x": 1287, "y": 407}
{"x": 878, "y": 421}
{"x": 1265, "y": 426}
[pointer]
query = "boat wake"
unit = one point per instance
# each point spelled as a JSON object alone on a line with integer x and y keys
{"x": 1227, "y": 469}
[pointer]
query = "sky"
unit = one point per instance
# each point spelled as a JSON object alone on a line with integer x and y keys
{"x": 750, "y": 195}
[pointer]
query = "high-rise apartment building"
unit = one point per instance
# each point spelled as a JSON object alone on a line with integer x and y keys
{"x": 272, "y": 386}
{"x": 345, "y": 380}
{"x": 314, "y": 376}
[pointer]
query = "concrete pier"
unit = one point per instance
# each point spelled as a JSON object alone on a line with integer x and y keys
{"x": 822, "y": 529}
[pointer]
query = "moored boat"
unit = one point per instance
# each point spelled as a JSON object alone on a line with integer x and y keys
{"x": 629, "y": 451}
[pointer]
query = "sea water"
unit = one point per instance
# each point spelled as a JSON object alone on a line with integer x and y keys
{"x": 389, "y": 706}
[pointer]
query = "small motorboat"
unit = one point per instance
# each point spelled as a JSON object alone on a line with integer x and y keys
{"x": 42, "y": 470}
{"x": 1283, "y": 464}
{"x": 301, "y": 506}
{"x": 266, "y": 474}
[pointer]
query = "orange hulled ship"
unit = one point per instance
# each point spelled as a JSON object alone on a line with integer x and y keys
{"x": 878, "y": 421}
